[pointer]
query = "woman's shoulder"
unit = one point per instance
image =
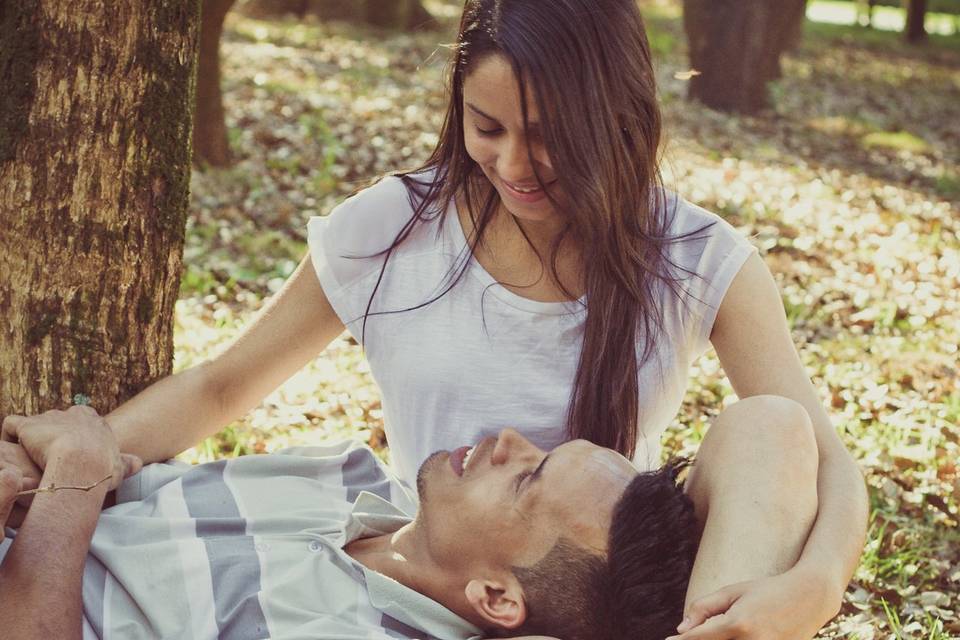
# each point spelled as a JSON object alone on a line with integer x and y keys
{"x": 694, "y": 233}
{"x": 384, "y": 199}
{"x": 683, "y": 216}
{"x": 370, "y": 219}
{"x": 705, "y": 252}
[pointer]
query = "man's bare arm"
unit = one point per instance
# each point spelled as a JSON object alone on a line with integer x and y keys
{"x": 42, "y": 576}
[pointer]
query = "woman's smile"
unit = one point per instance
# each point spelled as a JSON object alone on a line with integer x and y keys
{"x": 528, "y": 193}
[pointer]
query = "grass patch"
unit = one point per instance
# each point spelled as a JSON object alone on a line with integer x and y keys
{"x": 898, "y": 140}
{"x": 819, "y": 34}
{"x": 884, "y": 18}
{"x": 948, "y": 185}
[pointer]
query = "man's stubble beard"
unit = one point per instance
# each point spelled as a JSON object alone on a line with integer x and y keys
{"x": 421, "y": 476}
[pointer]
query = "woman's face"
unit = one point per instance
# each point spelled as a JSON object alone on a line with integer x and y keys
{"x": 495, "y": 139}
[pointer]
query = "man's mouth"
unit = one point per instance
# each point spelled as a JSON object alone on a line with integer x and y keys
{"x": 459, "y": 458}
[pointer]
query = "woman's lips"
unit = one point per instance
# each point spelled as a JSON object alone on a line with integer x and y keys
{"x": 531, "y": 197}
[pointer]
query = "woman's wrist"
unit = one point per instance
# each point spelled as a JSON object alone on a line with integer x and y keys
{"x": 821, "y": 586}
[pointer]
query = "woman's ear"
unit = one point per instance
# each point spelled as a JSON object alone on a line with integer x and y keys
{"x": 499, "y": 604}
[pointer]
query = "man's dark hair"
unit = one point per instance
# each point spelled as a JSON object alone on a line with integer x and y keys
{"x": 638, "y": 590}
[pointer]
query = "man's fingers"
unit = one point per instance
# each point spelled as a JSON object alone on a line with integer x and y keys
{"x": 128, "y": 465}
{"x": 710, "y": 605}
{"x": 10, "y": 485}
{"x": 131, "y": 463}
{"x": 11, "y": 427}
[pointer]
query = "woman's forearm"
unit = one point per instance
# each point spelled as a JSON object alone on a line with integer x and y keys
{"x": 169, "y": 416}
{"x": 178, "y": 411}
{"x": 836, "y": 541}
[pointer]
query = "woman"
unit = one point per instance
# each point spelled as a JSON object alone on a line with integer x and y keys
{"x": 535, "y": 274}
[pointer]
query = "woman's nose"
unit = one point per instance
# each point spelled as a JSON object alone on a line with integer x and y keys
{"x": 514, "y": 165}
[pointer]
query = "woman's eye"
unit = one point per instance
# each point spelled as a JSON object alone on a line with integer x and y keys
{"x": 488, "y": 132}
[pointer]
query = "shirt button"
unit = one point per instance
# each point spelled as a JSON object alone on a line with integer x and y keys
{"x": 262, "y": 547}
{"x": 316, "y": 547}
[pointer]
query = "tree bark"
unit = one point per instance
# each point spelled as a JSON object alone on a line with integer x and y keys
{"x": 794, "y": 17}
{"x": 210, "y": 142}
{"x": 95, "y": 124}
{"x": 736, "y": 46}
{"x": 915, "y": 30}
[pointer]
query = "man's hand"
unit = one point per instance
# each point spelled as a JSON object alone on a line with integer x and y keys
{"x": 789, "y": 606}
{"x": 13, "y": 456}
{"x": 60, "y": 433}
{"x": 11, "y": 483}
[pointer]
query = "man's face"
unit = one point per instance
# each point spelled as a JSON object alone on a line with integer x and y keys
{"x": 510, "y": 502}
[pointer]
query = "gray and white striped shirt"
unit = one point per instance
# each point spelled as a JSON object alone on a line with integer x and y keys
{"x": 252, "y": 548}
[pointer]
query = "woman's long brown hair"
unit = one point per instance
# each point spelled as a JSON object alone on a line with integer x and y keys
{"x": 589, "y": 66}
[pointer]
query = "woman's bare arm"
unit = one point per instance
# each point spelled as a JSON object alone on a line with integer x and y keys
{"x": 753, "y": 342}
{"x": 176, "y": 412}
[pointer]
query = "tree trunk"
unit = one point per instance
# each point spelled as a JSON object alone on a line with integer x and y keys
{"x": 274, "y": 8}
{"x": 915, "y": 31}
{"x": 794, "y": 17}
{"x": 736, "y": 47}
{"x": 390, "y": 14}
{"x": 94, "y": 178}
{"x": 865, "y": 13}
{"x": 210, "y": 142}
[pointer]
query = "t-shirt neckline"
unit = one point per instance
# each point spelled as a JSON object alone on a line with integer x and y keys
{"x": 501, "y": 292}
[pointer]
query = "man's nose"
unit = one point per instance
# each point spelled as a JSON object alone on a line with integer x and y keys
{"x": 509, "y": 445}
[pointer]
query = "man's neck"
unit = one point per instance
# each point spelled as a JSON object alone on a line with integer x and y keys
{"x": 399, "y": 556}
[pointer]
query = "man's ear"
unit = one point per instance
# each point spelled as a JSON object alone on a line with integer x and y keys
{"x": 498, "y": 603}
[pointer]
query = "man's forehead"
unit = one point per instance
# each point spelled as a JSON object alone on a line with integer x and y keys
{"x": 611, "y": 466}
{"x": 593, "y": 483}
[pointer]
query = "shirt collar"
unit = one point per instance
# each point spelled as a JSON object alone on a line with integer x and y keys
{"x": 372, "y": 516}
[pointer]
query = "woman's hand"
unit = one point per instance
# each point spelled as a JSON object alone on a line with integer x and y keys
{"x": 789, "y": 606}
{"x": 60, "y": 433}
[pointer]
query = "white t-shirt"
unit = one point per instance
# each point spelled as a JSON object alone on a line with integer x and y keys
{"x": 481, "y": 357}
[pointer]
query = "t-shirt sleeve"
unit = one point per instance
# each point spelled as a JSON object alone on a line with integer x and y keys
{"x": 708, "y": 262}
{"x": 343, "y": 245}
{"x": 150, "y": 479}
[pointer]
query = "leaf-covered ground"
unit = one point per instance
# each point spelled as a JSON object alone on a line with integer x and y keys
{"x": 849, "y": 185}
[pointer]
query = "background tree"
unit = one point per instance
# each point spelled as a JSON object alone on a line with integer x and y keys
{"x": 210, "y": 142}
{"x": 94, "y": 178}
{"x": 736, "y": 46}
{"x": 916, "y": 16}
{"x": 865, "y": 12}
{"x": 392, "y": 14}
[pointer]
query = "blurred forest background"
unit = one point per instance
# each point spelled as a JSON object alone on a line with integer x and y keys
{"x": 843, "y": 168}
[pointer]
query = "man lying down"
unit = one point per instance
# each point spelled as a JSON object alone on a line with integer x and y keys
{"x": 322, "y": 542}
